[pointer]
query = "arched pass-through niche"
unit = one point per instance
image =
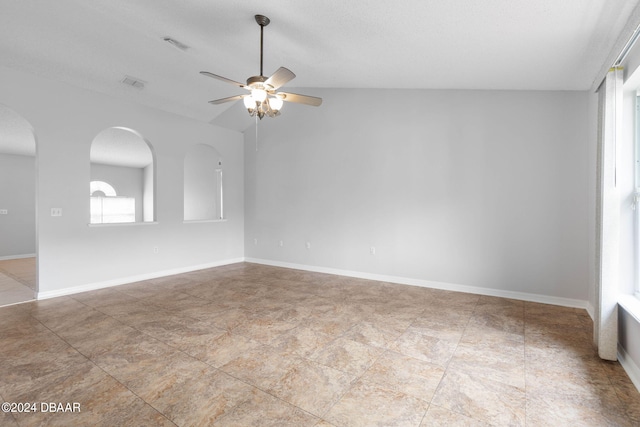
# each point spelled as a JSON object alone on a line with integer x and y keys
{"x": 18, "y": 194}
{"x": 122, "y": 158}
{"x": 203, "y": 185}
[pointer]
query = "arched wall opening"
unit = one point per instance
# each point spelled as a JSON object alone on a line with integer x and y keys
{"x": 125, "y": 160}
{"x": 18, "y": 207}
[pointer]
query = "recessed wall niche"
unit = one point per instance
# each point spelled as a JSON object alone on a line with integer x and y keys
{"x": 203, "y": 189}
{"x": 124, "y": 161}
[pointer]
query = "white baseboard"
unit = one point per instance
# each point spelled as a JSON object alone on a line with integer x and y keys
{"x": 629, "y": 366}
{"x": 8, "y": 257}
{"x": 544, "y": 299}
{"x": 131, "y": 279}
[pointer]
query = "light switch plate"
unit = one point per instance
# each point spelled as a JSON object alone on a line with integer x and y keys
{"x": 4, "y": 212}
{"x": 56, "y": 211}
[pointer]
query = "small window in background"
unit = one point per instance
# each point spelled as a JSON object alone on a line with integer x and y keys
{"x": 107, "y": 208}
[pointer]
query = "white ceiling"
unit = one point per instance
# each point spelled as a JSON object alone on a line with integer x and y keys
{"x": 461, "y": 44}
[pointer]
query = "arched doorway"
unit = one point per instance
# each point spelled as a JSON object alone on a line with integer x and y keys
{"x": 18, "y": 192}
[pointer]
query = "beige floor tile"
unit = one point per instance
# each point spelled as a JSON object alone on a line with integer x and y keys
{"x": 260, "y": 366}
{"x": 200, "y": 396}
{"x": 224, "y": 348}
{"x": 265, "y": 410}
{"x": 489, "y": 401}
{"x": 551, "y": 410}
{"x": 373, "y": 334}
{"x": 100, "y": 337}
{"x": 441, "y": 417}
{"x": 311, "y": 386}
{"x": 140, "y": 363}
{"x": 175, "y": 300}
{"x": 103, "y": 400}
{"x": 264, "y": 329}
{"x": 504, "y": 320}
{"x": 302, "y": 341}
{"x": 7, "y": 419}
{"x": 421, "y": 344}
{"x": 22, "y": 270}
{"x": 405, "y": 374}
{"x": 13, "y": 292}
{"x": 504, "y": 364}
{"x": 102, "y": 297}
{"x": 348, "y": 356}
{"x": 23, "y": 369}
{"x": 368, "y": 405}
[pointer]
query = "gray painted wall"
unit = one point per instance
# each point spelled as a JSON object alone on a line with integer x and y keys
{"x": 18, "y": 197}
{"x": 479, "y": 188}
{"x": 72, "y": 253}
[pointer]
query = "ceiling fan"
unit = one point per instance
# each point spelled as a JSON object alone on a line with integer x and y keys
{"x": 263, "y": 98}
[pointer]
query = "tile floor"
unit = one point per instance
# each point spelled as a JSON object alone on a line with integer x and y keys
{"x": 17, "y": 280}
{"x": 250, "y": 345}
{"x": 21, "y": 269}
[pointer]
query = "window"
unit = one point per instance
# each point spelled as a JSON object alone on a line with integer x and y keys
{"x": 107, "y": 208}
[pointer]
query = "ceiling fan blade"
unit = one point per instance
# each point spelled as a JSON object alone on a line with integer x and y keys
{"x": 227, "y": 99}
{"x": 224, "y": 79}
{"x": 280, "y": 78}
{"x": 300, "y": 99}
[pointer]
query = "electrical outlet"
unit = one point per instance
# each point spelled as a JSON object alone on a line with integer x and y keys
{"x": 56, "y": 211}
{"x": 308, "y": 245}
{"x": 255, "y": 242}
{"x": 281, "y": 243}
{"x": 372, "y": 250}
{"x": 155, "y": 250}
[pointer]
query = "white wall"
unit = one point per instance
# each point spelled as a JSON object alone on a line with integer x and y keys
{"x": 200, "y": 183}
{"x": 18, "y": 197}
{"x": 479, "y": 188}
{"x": 73, "y": 254}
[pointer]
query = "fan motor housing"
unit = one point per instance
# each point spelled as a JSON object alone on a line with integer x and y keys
{"x": 256, "y": 81}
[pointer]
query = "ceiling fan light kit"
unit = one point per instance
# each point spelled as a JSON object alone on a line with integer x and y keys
{"x": 262, "y": 98}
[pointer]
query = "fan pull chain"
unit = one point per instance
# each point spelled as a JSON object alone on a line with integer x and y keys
{"x": 256, "y": 132}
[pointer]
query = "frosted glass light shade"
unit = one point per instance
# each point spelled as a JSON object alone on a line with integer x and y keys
{"x": 259, "y": 95}
{"x": 275, "y": 103}
{"x": 249, "y": 102}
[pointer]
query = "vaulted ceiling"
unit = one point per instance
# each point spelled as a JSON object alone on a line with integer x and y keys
{"x": 461, "y": 44}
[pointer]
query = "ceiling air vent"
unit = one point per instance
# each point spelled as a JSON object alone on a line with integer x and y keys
{"x": 175, "y": 43}
{"x": 133, "y": 81}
